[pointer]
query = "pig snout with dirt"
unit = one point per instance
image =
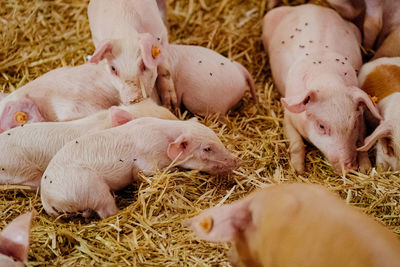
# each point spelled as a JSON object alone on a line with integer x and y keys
{"x": 61, "y": 95}
{"x": 130, "y": 35}
{"x": 297, "y": 225}
{"x": 81, "y": 175}
{"x": 204, "y": 81}
{"x": 14, "y": 241}
{"x": 26, "y": 151}
{"x": 381, "y": 79}
{"x": 316, "y": 75}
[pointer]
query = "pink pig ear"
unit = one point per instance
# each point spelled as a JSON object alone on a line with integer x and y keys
{"x": 19, "y": 112}
{"x": 152, "y": 52}
{"x": 298, "y": 103}
{"x": 120, "y": 116}
{"x": 362, "y": 98}
{"x": 383, "y": 130}
{"x": 221, "y": 224}
{"x": 179, "y": 146}
{"x": 14, "y": 239}
{"x": 105, "y": 48}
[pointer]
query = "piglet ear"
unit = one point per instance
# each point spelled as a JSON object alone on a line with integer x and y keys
{"x": 120, "y": 116}
{"x": 151, "y": 50}
{"x": 298, "y": 103}
{"x": 102, "y": 51}
{"x": 19, "y": 112}
{"x": 14, "y": 239}
{"x": 179, "y": 146}
{"x": 221, "y": 224}
{"x": 362, "y": 98}
{"x": 383, "y": 130}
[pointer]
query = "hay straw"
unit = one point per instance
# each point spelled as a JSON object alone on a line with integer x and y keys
{"x": 38, "y": 36}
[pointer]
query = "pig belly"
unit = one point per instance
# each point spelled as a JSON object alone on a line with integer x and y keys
{"x": 306, "y": 30}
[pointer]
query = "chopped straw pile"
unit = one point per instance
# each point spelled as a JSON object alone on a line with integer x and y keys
{"x": 38, "y": 36}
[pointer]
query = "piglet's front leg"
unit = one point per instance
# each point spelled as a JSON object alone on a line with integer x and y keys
{"x": 364, "y": 164}
{"x": 373, "y": 21}
{"x": 166, "y": 88}
{"x": 296, "y": 145}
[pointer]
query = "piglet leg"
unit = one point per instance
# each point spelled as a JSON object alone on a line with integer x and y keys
{"x": 296, "y": 145}
{"x": 373, "y": 21}
{"x": 390, "y": 47}
{"x": 364, "y": 164}
{"x": 108, "y": 207}
{"x": 166, "y": 88}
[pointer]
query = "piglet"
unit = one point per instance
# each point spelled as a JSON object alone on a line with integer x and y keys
{"x": 316, "y": 75}
{"x": 63, "y": 94}
{"x": 204, "y": 81}
{"x": 82, "y": 173}
{"x": 130, "y": 35}
{"x": 297, "y": 225}
{"x": 14, "y": 241}
{"x": 26, "y": 151}
{"x": 381, "y": 79}
{"x": 378, "y": 19}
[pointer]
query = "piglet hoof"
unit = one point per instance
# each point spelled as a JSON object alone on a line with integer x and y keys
{"x": 364, "y": 167}
{"x": 364, "y": 164}
{"x": 298, "y": 164}
{"x": 108, "y": 210}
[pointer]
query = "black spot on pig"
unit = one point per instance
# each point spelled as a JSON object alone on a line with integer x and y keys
{"x": 298, "y": 30}
{"x": 222, "y": 63}
{"x": 282, "y": 42}
{"x": 343, "y": 63}
{"x": 345, "y": 58}
{"x": 2, "y": 169}
{"x": 326, "y": 46}
{"x": 307, "y": 54}
{"x": 337, "y": 59}
{"x": 199, "y": 61}
{"x": 210, "y": 73}
{"x": 311, "y": 41}
{"x": 319, "y": 62}
{"x": 291, "y": 36}
{"x": 8, "y": 134}
{"x": 301, "y": 46}
{"x": 158, "y": 38}
{"x": 134, "y": 159}
{"x": 345, "y": 73}
{"x": 51, "y": 181}
{"x": 76, "y": 142}
{"x": 45, "y": 177}
{"x": 306, "y": 23}
{"x": 121, "y": 160}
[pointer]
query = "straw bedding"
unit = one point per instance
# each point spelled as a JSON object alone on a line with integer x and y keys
{"x": 37, "y": 36}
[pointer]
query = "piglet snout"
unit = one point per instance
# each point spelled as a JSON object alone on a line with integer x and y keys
{"x": 347, "y": 165}
{"x": 229, "y": 165}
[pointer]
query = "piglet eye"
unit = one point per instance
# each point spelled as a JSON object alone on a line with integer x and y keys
{"x": 322, "y": 129}
{"x": 114, "y": 70}
{"x": 207, "y": 149}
